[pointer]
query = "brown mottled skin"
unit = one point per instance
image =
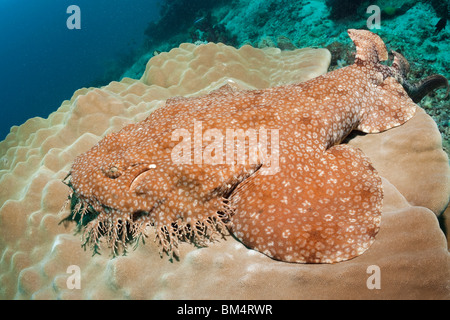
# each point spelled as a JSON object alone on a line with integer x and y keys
{"x": 323, "y": 205}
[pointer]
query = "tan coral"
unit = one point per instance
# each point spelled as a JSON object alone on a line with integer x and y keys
{"x": 36, "y": 252}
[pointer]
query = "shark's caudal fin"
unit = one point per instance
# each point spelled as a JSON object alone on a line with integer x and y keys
{"x": 369, "y": 46}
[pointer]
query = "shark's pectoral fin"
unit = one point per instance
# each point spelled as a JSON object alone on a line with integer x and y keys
{"x": 322, "y": 211}
{"x": 390, "y": 107}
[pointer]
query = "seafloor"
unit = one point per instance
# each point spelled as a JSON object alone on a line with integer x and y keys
{"x": 408, "y": 27}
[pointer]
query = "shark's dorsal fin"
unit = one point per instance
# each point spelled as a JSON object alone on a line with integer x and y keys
{"x": 369, "y": 46}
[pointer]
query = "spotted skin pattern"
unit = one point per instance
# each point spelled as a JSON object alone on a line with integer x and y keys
{"x": 323, "y": 205}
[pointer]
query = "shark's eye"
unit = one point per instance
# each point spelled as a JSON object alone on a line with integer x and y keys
{"x": 112, "y": 172}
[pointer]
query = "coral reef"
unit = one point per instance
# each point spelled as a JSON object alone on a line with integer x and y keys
{"x": 178, "y": 15}
{"x": 36, "y": 251}
{"x": 207, "y": 29}
{"x": 411, "y": 251}
{"x": 344, "y": 8}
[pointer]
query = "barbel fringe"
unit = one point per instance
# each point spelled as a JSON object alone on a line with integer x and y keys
{"x": 120, "y": 230}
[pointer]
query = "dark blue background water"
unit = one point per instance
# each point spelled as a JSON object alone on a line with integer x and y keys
{"x": 42, "y": 62}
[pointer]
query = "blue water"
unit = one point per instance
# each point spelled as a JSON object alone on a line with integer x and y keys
{"x": 42, "y": 62}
